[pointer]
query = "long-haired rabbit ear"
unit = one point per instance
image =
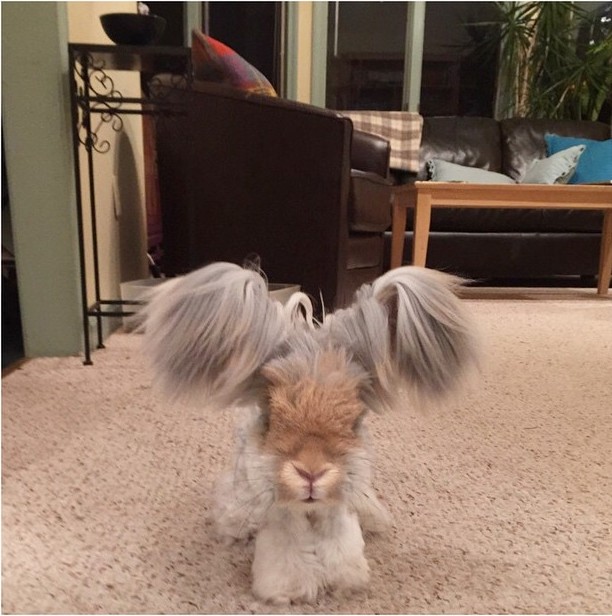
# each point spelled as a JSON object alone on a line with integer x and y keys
{"x": 410, "y": 331}
{"x": 299, "y": 312}
{"x": 208, "y": 333}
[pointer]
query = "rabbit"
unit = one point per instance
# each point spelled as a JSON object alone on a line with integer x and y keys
{"x": 301, "y": 481}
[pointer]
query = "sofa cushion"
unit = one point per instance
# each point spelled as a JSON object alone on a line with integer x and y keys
{"x": 442, "y": 171}
{"x": 214, "y": 61}
{"x": 468, "y": 141}
{"x": 558, "y": 168}
{"x": 595, "y": 164}
{"x": 522, "y": 139}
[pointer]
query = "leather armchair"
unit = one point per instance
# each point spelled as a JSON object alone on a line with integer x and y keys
{"x": 242, "y": 174}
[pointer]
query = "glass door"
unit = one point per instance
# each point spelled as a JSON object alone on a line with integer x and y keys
{"x": 412, "y": 56}
{"x": 366, "y": 50}
{"x": 252, "y": 29}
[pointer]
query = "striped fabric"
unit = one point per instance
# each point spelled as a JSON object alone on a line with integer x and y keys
{"x": 401, "y": 128}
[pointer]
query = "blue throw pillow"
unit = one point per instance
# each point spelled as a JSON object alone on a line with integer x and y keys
{"x": 595, "y": 164}
{"x": 556, "y": 169}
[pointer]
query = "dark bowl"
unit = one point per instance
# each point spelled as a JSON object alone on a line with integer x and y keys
{"x": 133, "y": 28}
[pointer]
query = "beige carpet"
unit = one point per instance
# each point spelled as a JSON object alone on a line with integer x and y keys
{"x": 502, "y": 502}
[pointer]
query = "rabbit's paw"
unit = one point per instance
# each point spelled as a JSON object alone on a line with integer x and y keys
{"x": 230, "y": 541}
{"x": 285, "y": 590}
{"x": 351, "y": 575}
{"x": 374, "y": 517}
{"x": 284, "y": 569}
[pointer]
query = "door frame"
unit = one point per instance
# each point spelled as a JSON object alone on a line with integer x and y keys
{"x": 415, "y": 29}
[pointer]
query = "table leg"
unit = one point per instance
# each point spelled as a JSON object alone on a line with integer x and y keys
{"x": 398, "y": 230}
{"x": 605, "y": 258}
{"x": 422, "y": 220}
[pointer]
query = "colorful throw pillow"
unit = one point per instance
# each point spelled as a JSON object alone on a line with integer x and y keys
{"x": 443, "y": 171}
{"x": 214, "y": 61}
{"x": 595, "y": 164}
{"x": 556, "y": 169}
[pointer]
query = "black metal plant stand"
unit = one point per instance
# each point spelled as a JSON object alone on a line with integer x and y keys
{"x": 96, "y": 104}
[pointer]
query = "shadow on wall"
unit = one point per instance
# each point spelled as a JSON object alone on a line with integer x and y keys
{"x": 130, "y": 210}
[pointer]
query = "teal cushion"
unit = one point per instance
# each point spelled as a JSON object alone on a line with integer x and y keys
{"x": 556, "y": 169}
{"x": 443, "y": 171}
{"x": 595, "y": 164}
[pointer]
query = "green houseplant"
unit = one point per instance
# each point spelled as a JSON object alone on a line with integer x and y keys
{"x": 555, "y": 60}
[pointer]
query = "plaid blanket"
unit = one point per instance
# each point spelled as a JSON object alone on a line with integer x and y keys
{"x": 401, "y": 128}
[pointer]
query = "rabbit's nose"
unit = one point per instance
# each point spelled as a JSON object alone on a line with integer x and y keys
{"x": 308, "y": 476}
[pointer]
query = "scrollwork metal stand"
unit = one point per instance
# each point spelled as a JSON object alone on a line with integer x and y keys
{"x": 96, "y": 103}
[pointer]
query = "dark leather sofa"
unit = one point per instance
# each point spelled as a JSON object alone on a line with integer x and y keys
{"x": 505, "y": 243}
{"x": 242, "y": 174}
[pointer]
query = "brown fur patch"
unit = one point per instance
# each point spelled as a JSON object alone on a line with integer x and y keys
{"x": 312, "y": 415}
{"x": 322, "y": 405}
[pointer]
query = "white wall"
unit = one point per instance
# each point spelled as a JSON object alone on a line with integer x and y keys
{"x": 119, "y": 174}
{"x": 304, "y": 52}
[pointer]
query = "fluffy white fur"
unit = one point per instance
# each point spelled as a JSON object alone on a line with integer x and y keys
{"x": 299, "y": 549}
{"x": 299, "y": 553}
{"x": 301, "y": 480}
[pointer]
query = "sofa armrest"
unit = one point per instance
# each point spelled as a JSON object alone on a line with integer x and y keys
{"x": 369, "y": 202}
{"x": 370, "y": 153}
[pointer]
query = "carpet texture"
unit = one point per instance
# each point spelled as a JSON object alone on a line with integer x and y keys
{"x": 502, "y": 500}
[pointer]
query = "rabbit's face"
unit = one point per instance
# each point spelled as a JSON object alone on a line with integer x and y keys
{"x": 311, "y": 428}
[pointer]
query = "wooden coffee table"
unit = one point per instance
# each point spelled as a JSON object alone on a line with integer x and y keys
{"x": 423, "y": 196}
